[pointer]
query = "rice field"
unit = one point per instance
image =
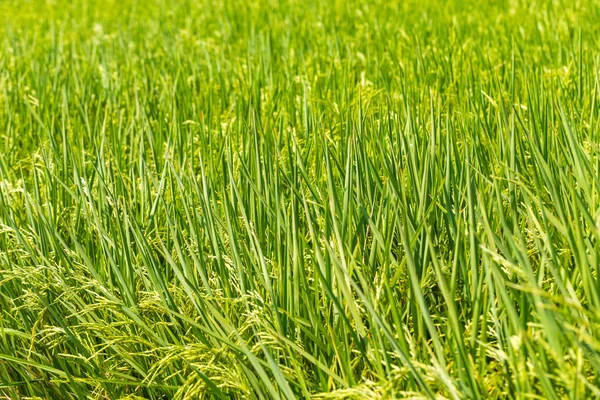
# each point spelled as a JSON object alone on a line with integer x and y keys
{"x": 285, "y": 199}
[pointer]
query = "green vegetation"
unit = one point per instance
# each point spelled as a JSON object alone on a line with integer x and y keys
{"x": 292, "y": 199}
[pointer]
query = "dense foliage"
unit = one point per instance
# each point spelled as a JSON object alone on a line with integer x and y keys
{"x": 290, "y": 199}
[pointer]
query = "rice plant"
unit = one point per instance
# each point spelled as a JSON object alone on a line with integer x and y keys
{"x": 285, "y": 199}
